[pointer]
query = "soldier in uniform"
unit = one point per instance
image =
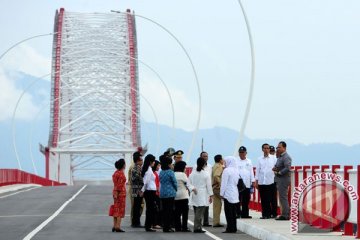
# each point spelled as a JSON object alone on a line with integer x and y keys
{"x": 178, "y": 156}
{"x": 169, "y": 152}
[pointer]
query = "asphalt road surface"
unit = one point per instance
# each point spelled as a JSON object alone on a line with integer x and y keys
{"x": 84, "y": 217}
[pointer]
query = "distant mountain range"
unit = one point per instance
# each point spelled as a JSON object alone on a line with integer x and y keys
{"x": 221, "y": 140}
{"x": 217, "y": 140}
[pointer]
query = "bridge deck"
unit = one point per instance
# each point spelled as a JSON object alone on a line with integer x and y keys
{"x": 83, "y": 218}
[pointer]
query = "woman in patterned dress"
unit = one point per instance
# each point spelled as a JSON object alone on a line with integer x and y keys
{"x": 168, "y": 188}
{"x": 119, "y": 194}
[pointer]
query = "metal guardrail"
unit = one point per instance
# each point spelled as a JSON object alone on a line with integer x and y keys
{"x": 347, "y": 173}
{"x": 16, "y": 176}
{"x": 299, "y": 173}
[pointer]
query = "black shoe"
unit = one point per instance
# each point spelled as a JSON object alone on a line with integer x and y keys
{"x": 137, "y": 226}
{"x": 282, "y": 218}
{"x": 218, "y": 225}
{"x": 168, "y": 230}
{"x": 207, "y": 225}
{"x": 150, "y": 230}
{"x": 246, "y": 216}
{"x": 264, "y": 217}
{"x": 238, "y": 216}
{"x": 229, "y": 232}
{"x": 177, "y": 230}
{"x": 186, "y": 230}
{"x": 113, "y": 229}
{"x": 199, "y": 231}
{"x": 119, "y": 230}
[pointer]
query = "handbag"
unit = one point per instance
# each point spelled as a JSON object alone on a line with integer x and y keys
{"x": 241, "y": 185}
{"x": 111, "y": 210}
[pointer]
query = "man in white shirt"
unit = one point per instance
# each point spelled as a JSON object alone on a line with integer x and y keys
{"x": 246, "y": 172}
{"x": 264, "y": 181}
{"x": 208, "y": 169}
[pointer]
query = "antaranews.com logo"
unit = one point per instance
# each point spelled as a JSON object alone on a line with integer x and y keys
{"x": 321, "y": 201}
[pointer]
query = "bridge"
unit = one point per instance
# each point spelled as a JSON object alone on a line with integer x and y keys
{"x": 94, "y": 93}
{"x": 94, "y": 120}
{"x": 29, "y": 211}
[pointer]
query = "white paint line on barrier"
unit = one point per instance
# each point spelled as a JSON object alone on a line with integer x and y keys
{"x": 15, "y": 216}
{"x": 207, "y": 232}
{"x": 43, "y": 224}
{"x": 18, "y": 192}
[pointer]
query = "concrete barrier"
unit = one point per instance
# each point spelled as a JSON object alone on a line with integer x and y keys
{"x": 15, "y": 176}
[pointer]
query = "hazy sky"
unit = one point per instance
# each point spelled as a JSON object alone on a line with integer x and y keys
{"x": 307, "y": 62}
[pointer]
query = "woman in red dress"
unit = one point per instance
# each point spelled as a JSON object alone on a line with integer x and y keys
{"x": 119, "y": 194}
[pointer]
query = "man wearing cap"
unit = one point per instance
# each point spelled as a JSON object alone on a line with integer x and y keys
{"x": 264, "y": 181}
{"x": 246, "y": 171}
{"x": 272, "y": 150}
{"x": 178, "y": 156}
{"x": 169, "y": 152}
{"x": 282, "y": 179}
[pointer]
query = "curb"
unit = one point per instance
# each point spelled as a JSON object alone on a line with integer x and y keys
{"x": 16, "y": 187}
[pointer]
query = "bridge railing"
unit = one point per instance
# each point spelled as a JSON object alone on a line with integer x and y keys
{"x": 15, "y": 176}
{"x": 300, "y": 173}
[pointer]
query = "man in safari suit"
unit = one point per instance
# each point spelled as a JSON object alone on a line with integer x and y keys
{"x": 217, "y": 171}
{"x": 282, "y": 179}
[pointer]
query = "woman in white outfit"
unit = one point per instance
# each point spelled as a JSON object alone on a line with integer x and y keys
{"x": 202, "y": 183}
{"x": 149, "y": 191}
{"x": 229, "y": 192}
{"x": 182, "y": 197}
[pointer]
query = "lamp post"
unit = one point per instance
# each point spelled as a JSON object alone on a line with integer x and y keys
{"x": 194, "y": 72}
{"x": 40, "y": 111}
{"x": 252, "y": 81}
{"x": 36, "y": 80}
{"x": 24, "y": 40}
{"x": 1, "y": 56}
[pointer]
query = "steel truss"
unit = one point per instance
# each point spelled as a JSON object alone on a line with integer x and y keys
{"x": 94, "y": 118}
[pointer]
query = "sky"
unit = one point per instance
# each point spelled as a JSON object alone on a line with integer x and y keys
{"x": 307, "y": 63}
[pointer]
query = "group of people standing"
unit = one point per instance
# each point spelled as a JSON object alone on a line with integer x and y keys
{"x": 158, "y": 188}
{"x": 271, "y": 178}
{"x": 168, "y": 192}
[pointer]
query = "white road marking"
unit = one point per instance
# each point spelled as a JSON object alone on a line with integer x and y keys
{"x": 61, "y": 214}
{"x": 13, "y": 216}
{"x": 86, "y": 215}
{"x": 43, "y": 224}
{"x": 18, "y": 192}
{"x": 207, "y": 232}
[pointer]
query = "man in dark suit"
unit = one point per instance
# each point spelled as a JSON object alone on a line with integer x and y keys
{"x": 282, "y": 179}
